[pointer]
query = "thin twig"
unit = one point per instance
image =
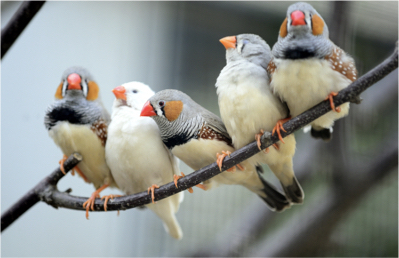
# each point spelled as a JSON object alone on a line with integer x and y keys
{"x": 17, "y": 24}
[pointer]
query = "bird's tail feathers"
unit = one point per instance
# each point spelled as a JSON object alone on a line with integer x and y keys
{"x": 172, "y": 227}
{"x": 272, "y": 197}
{"x": 322, "y": 133}
{"x": 294, "y": 191}
{"x": 165, "y": 210}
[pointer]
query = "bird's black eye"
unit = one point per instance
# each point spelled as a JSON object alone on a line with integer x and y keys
{"x": 135, "y": 91}
{"x": 161, "y": 103}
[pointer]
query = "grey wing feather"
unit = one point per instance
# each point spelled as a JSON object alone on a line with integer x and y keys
{"x": 215, "y": 123}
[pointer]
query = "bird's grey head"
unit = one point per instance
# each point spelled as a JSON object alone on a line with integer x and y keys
{"x": 176, "y": 114}
{"x": 250, "y": 47}
{"x": 77, "y": 82}
{"x": 303, "y": 34}
{"x": 83, "y": 72}
{"x": 77, "y": 100}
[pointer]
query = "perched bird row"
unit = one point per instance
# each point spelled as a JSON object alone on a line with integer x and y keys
{"x": 258, "y": 90}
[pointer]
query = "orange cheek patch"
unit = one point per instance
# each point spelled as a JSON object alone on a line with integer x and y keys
{"x": 58, "y": 93}
{"x": 317, "y": 24}
{"x": 92, "y": 93}
{"x": 173, "y": 109}
{"x": 283, "y": 29}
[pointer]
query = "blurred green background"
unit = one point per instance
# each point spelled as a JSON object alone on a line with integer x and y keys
{"x": 350, "y": 183}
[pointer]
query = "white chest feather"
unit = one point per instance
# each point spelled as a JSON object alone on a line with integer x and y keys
{"x": 305, "y": 83}
{"x": 80, "y": 138}
{"x": 136, "y": 154}
{"x": 247, "y": 104}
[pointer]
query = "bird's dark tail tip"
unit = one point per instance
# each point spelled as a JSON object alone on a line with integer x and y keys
{"x": 325, "y": 134}
{"x": 294, "y": 192}
{"x": 274, "y": 199}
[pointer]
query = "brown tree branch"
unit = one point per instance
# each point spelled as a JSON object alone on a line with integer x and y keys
{"x": 351, "y": 93}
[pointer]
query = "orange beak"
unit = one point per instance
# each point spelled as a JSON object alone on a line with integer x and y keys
{"x": 229, "y": 42}
{"x": 148, "y": 110}
{"x": 119, "y": 92}
{"x": 298, "y": 18}
{"x": 74, "y": 81}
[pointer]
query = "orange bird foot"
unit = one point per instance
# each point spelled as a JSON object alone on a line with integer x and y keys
{"x": 190, "y": 190}
{"x": 107, "y": 197}
{"x": 330, "y": 97}
{"x": 257, "y": 138}
{"x": 90, "y": 202}
{"x": 278, "y": 127}
{"x": 152, "y": 189}
{"x": 75, "y": 168}
{"x": 220, "y": 158}
{"x": 61, "y": 162}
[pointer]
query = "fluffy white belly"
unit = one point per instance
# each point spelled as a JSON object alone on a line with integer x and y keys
{"x": 137, "y": 156}
{"x": 305, "y": 83}
{"x": 247, "y": 109}
{"x": 80, "y": 138}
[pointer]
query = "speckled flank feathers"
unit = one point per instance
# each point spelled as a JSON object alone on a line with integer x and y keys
{"x": 340, "y": 63}
{"x": 100, "y": 129}
{"x": 207, "y": 133}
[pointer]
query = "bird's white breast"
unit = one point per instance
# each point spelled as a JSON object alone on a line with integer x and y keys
{"x": 246, "y": 103}
{"x": 305, "y": 83}
{"x": 136, "y": 154}
{"x": 80, "y": 138}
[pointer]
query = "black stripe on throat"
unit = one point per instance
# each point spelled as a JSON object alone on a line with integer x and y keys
{"x": 298, "y": 53}
{"x": 62, "y": 114}
{"x": 178, "y": 139}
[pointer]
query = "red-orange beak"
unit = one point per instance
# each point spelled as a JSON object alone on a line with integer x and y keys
{"x": 229, "y": 42}
{"x": 148, "y": 110}
{"x": 298, "y": 18}
{"x": 119, "y": 92}
{"x": 74, "y": 81}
